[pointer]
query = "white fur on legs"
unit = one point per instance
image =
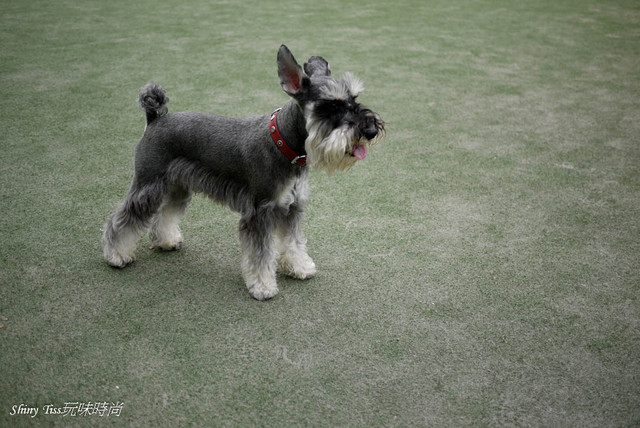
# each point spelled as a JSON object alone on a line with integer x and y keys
{"x": 120, "y": 251}
{"x": 260, "y": 279}
{"x": 293, "y": 259}
{"x": 165, "y": 231}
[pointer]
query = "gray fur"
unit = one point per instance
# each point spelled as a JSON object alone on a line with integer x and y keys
{"x": 234, "y": 161}
{"x": 153, "y": 100}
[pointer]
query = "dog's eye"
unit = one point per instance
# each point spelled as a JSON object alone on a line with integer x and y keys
{"x": 337, "y": 106}
{"x": 332, "y": 108}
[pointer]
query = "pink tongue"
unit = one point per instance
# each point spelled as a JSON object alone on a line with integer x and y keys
{"x": 360, "y": 152}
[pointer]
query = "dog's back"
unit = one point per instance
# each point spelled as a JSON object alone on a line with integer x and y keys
{"x": 209, "y": 153}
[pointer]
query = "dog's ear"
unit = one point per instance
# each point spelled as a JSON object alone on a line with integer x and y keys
{"x": 292, "y": 78}
{"x": 317, "y": 66}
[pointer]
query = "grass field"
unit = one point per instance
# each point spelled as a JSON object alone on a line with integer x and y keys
{"x": 480, "y": 268}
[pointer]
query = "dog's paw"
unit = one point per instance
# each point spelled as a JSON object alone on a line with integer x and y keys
{"x": 299, "y": 268}
{"x": 119, "y": 261}
{"x": 262, "y": 292}
{"x": 170, "y": 246}
{"x": 301, "y": 272}
{"x": 166, "y": 241}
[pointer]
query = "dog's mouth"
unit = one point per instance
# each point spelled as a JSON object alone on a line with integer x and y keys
{"x": 359, "y": 152}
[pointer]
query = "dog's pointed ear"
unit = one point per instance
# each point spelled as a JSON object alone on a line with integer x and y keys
{"x": 292, "y": 78}
{"x": 317, "y": 66}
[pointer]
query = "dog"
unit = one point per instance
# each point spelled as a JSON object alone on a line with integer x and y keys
{"x": 258, "y": 166}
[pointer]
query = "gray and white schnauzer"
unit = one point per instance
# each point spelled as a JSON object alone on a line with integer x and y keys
{"x": 257, "y": 165}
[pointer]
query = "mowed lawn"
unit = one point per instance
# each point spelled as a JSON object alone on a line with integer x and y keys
{"x": 481, "y": 267}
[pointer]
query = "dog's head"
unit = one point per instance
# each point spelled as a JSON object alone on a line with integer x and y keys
{"x": 340, "y": 129}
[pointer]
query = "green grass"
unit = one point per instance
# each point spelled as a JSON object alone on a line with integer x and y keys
{"x": 480, "y": 268}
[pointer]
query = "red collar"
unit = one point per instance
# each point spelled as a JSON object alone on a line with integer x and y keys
{"x": 281, "y": 145}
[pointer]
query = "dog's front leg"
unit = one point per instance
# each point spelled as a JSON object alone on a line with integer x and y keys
{"x": 258, "y": 254}
{"x": 293, "y": 259}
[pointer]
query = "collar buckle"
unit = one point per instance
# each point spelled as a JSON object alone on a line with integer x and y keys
{"x": 302, "y": 159}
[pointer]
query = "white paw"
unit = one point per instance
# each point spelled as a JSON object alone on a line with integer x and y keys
{"x": 118, "y": 261}
{"x": 166, "y": 241}
{"x": 172, "y": 245}
{"x": 261, "y": 292}
{"x": 301, "y": 268}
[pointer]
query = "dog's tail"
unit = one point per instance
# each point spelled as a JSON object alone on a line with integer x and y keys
{"x": 153, "y": 100}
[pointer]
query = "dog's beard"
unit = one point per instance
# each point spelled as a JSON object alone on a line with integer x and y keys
{"x": 337, "y": 149}
{"x": 332, "y": 150}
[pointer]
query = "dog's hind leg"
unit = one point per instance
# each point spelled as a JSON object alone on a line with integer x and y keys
{"x": 123, "y": 229}
{"x": 259, "y": 255}
{"x": 165, "y": 230}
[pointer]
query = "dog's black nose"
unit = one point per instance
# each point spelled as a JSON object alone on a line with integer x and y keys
{"x": 370, "y": 133}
